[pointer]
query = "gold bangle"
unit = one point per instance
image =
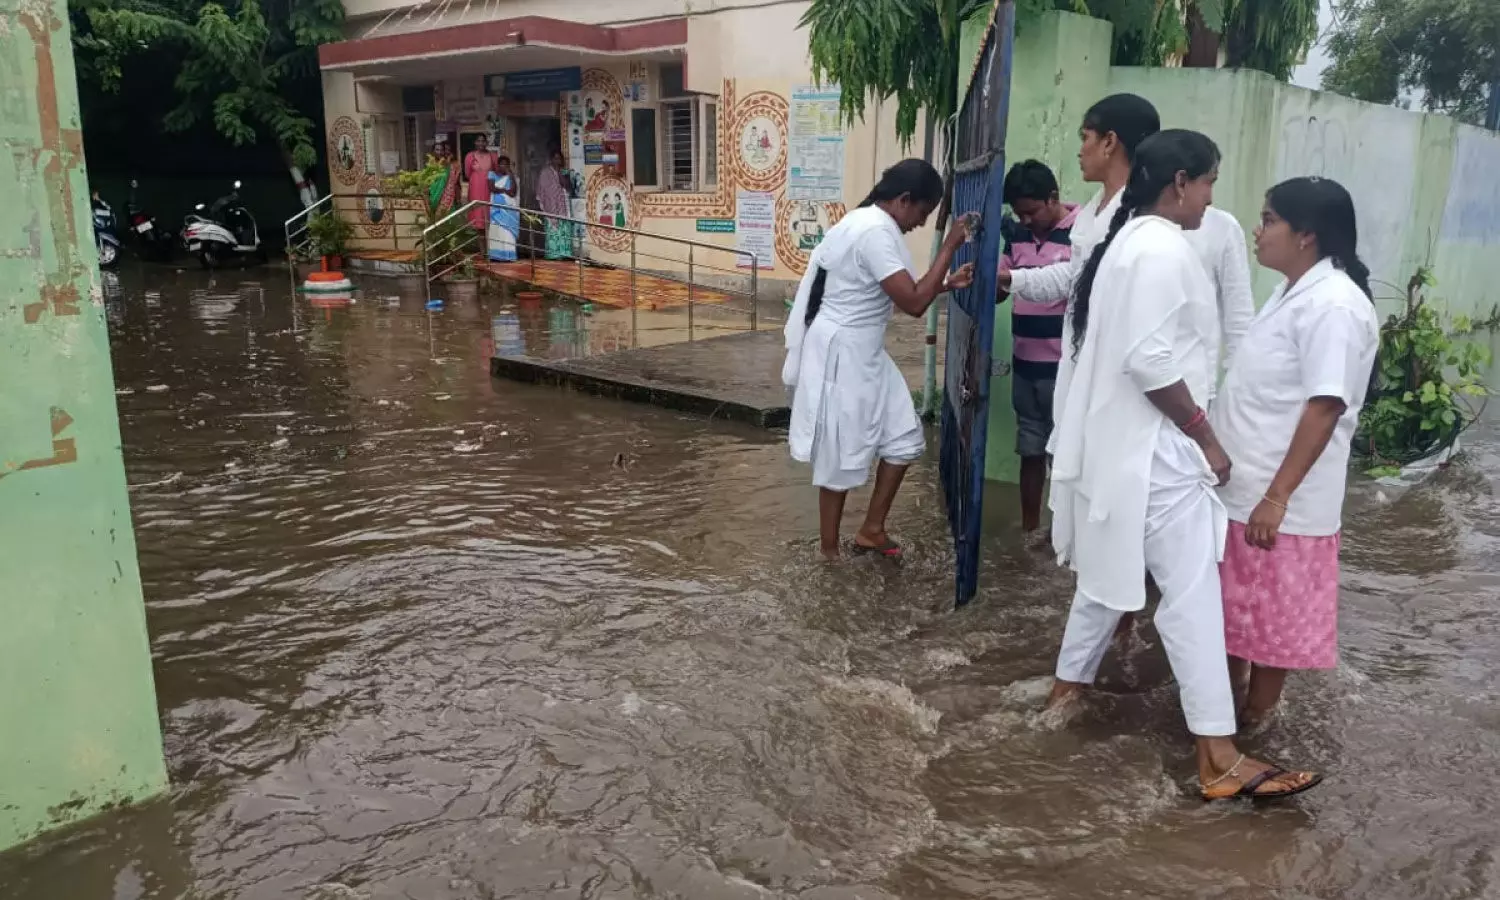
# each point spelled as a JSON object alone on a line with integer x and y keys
{"x": 1276, "y": 503}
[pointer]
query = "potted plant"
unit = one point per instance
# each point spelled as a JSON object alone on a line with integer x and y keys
{"x": 329, "y": 235}
{"x": 462, "y": 281}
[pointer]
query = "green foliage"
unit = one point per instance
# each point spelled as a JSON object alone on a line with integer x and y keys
{"x": 878, "y": 49}
{"x": 1427, "y": 373}
{"x": 329, "y": 234}
{"x": 1446, "y": 52}
{"x": 233, "y": 61}
{"x": 1270, "y": 36}
{"x": 418, "y": 184}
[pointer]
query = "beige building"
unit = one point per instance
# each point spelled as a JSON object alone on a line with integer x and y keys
{"x": 697, "y": 121}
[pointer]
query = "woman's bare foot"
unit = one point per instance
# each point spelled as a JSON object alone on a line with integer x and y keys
{"x": 1251, "y": 778}
{"x": 830, "y": 554}
{"x": 867, "y": 540}
{"x": 1253, "y": 721}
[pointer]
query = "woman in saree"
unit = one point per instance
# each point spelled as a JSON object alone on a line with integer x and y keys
{"x": 552, "y": 198}
{"x": 444, "y": 191}
{"x": 479, "y": 163}
{"x": 504, "y": 215}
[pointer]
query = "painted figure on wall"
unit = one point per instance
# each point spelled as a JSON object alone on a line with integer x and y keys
{"x": 619, "y": 211}
{"x": 597, "y": 121}
{"x": 478, "y": 165}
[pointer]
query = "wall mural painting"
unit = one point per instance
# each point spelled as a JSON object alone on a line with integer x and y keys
{"x": 603, "y": 103}
{"x": 376, "y": 213}
{"x": 346, "y": 151}
{"x": 759, "y": 132}
{"x": 715, "y": 204}
{"x": 800, "y": 226}
{"x": 610, "y": 203}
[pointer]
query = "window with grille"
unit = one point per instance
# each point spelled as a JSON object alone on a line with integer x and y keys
{"x": 675, "y": 142}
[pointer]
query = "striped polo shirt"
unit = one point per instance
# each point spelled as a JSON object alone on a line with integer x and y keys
{"x": 1037, "y": 327}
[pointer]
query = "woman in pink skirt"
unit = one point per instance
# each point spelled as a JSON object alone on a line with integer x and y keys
{"x": 1286, "y": 415}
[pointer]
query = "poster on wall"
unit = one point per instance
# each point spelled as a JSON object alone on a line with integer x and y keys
{"x": 390, "y": 162}
{"x": 755, "y": 229}
{"x": 815, "y": 144}
{"x": 593, "y": 154}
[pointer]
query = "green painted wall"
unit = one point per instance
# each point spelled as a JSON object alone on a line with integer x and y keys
{"x": 77, "y": 705}
{"x": 1424, "y": 187}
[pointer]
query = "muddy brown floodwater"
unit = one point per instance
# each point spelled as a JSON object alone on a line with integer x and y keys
{"x": 418, "y": 635}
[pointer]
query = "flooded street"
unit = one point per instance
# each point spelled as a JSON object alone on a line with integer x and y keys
{"x": 421, "y": 634}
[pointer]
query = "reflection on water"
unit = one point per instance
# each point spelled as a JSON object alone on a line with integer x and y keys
{"x": 421, "y": 634}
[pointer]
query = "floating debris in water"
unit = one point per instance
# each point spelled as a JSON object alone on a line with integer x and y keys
{"x": 468, "y": 446}
{"x": 157, "y": 388}
{"x": 281, "y": 443}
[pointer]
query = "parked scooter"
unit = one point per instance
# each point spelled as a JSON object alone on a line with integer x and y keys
{"x": 151, "y": 241}
{"x": 104, "y": 232}
{"x": 225, "y": 231}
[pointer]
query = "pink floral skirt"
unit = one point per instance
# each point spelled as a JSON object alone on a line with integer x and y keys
{"x": 1281, "y": 606}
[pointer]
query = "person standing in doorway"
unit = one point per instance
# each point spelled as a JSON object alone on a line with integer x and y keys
{"x": 1043, "y": 239}
{"x": 505, "y": 216}
{"x": 850, "y": 404}
{"x": 553, "y": 196}
{"x": 478, "y": 164}
{"x": 1287, "y": 413}
{"x": 1136, "y": 460}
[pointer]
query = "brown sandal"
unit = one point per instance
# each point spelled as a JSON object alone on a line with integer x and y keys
{"x": 1250, "y": 790}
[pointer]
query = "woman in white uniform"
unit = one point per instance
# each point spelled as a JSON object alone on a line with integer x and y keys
{"x": 1135, "y": 461}
{"x": 850, "y": 404}
{"x": 1287, "y": 414}
{"x": 1112, "y": 129}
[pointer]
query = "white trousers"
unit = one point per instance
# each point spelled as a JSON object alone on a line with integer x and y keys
{"x": 1181, "y": 555}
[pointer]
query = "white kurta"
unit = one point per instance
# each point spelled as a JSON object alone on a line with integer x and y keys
{"x": 1318, "y": 339}
{"x": 1219, "y": 243}
{"x": 1130, "y": 492}
{"x": 850, "y": 404}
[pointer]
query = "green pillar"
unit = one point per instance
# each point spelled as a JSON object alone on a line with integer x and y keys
{"x": 78, "y": 721}
{"x": 1061, "y": 68}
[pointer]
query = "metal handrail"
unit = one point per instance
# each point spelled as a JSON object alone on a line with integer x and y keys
{"x": 304, "y": 215}
{"x": 450, "y": 258}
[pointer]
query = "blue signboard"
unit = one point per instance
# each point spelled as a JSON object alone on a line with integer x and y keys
{"x": 534, "y": 83}
{"x": 979, "y": 178}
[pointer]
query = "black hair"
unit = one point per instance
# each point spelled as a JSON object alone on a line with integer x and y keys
{"x": 1131, "y": 118}
{"x": 1156, "y": 163}
{"x": 915, "y": 177}
{"x": 1322, "y": 208}
{"x": 910, "y": 177}
{"x": 1029, "y": 180}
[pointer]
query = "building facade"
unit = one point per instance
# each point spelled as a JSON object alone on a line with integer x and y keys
{"x": 700, "y": 123}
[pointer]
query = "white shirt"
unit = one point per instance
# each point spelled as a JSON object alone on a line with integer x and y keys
{"x": 859, "y": 252}
{"x": 1049, "y": 284}
{"x": 1219, "y": 243}
{"x": 1318, "y": 339}
{"x": 1151, "y": 324}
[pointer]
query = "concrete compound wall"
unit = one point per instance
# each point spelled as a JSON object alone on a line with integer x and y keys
{"x": 78, "y": 725}
{"x": 1425, "y": 187}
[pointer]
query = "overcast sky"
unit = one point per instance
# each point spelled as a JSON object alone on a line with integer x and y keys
{"x": 1309, "y": 74}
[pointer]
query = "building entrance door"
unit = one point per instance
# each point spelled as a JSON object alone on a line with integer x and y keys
{"x": 536, "y": 138}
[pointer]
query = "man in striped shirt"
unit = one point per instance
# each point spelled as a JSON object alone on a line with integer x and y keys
{"x": 1040, "y": 236}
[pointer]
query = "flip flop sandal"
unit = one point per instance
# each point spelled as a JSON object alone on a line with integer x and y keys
{"x": 1250, "y": 789}
{"x": 887, "y": 550}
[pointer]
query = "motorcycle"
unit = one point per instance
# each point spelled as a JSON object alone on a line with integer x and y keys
{"x": 151, "y": 240}
{"x": 104, "y": 232}
{"x": 225, "y": 231}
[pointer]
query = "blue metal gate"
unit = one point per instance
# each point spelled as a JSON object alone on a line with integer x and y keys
{"x": 979, "y": 175}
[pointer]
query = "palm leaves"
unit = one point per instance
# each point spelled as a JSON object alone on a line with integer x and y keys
{"x": 879, "y": 49}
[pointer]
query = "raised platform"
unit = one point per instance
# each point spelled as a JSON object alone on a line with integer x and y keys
{"x": 735, "y": 377}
